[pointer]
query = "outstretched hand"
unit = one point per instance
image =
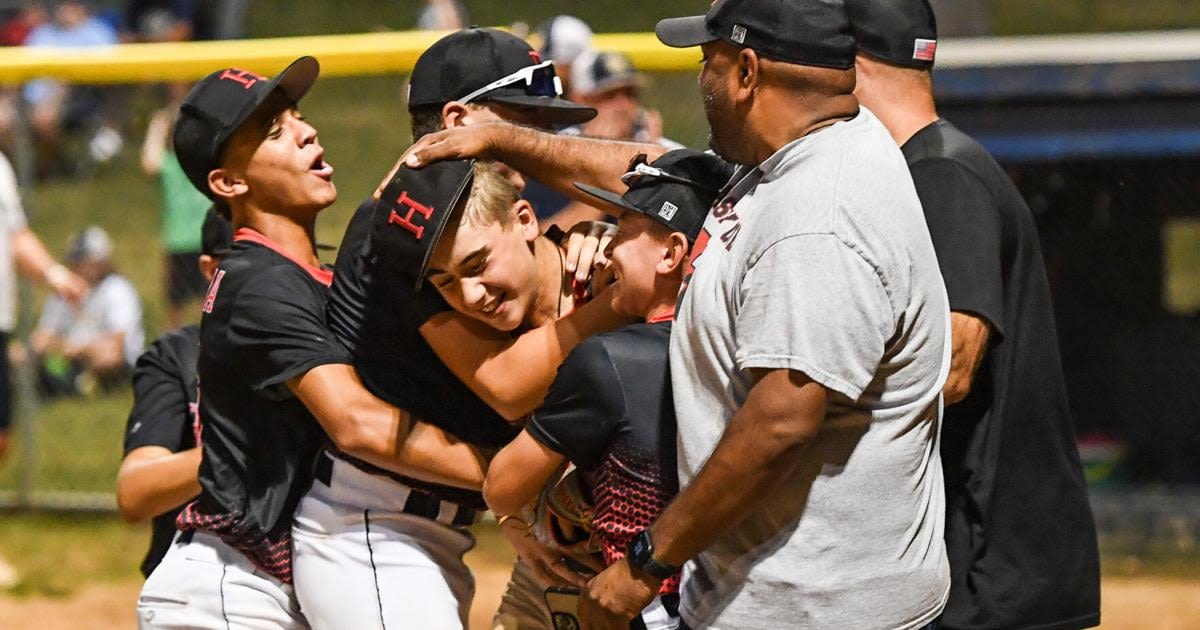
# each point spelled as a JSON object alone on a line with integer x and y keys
{"x": 587, "y": 248}
{"x": 456, "y": 143}
{"x": 613, "y": 598}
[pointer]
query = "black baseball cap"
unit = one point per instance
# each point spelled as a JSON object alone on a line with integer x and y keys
{"x": 898, "y": 32}
{"x": 412, "y": 213}
{"x": 677, "y": 189}
{"x": 219, "y": 104}
{"x": 465, "y": 62}
{"x": 216, "y": 235}
{"x": 810, "y": 33}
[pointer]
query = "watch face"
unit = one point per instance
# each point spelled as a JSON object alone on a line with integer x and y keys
{"x": 639, "y": 548}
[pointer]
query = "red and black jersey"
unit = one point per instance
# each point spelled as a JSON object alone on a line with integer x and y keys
{"x": 263, "y": 324}
{"x": 610, "y": 412}
{"x": 377, "y": 314}
{"x": 165, "y": 414}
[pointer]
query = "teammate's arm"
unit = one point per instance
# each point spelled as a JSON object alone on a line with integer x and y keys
{"x": 511, "y": 374}
{"x": 365, "y": 427}
{"x": 518, "y": 473}
{"x": 152, "y": 480}
{"x": 556, "y": 161}
{"x": 969, "y": 338}
{"x": 760, "y": 448}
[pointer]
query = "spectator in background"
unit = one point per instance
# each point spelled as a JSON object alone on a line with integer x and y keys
{"x": 608, "y": 82}
{"x": 183, "y": 210}
{"x": 164, "y": 21}
{"x": 19, "y": 22}
{"x": 443, "y": 15}
{"x": 564, "y": 38}
{"x": 20, "y": 249}
{"x": 160, "y": 471}
{"x": 56, "y": 106}
{"x": 229, "y": 19}
{"x": 97, "y": 341}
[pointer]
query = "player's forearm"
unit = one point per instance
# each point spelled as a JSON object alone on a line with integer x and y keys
{"x": 761, "y": 447}
{"x": 520, "y": 376}
{"x": 149, "y": 486}
{"x": 559, "y": 161}
{"x": 32, "y": 258}
{"x": 429, "y": 454}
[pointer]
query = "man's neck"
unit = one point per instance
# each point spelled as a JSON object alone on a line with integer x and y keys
{"x": 903, "y": 113}
{"x": 828, "y": 110}
{"x": 294, "y": 238}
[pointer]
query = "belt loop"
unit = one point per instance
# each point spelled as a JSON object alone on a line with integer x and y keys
{"x": 323, "y": 470}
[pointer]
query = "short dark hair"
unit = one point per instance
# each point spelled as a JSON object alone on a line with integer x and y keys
{"x": 425, "y": 120}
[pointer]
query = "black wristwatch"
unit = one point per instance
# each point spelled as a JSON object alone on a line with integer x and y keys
{"x": 641, "y": 556}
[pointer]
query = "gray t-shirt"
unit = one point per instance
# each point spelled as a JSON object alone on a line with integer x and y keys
{"x": 111, "y": 306}
{"x": 820, "y": 261}
{"x": 12, "y": 221}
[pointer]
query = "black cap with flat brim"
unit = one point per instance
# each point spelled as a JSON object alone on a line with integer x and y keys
{"x": 218, "y": 105}
{"x": 551, "y": 109}
{"x": 803, "y": 33}
{"x": 898, "y": 32}
{"x": 411, "y": 216}
{"x": 676, "y": 190}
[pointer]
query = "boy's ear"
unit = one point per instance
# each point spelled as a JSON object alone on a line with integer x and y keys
{"x": 525, "y": 220}
{"x": 675, "y": 254}
{"x": 226, "y": 183}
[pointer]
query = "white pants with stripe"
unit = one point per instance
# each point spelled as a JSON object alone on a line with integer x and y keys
{"x": 361, "y": 563}
{"x": 206, "y": 584}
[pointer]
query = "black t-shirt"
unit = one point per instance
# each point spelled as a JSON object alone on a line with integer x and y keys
{"x": 610, "y": 412}
{"x": 263, "y": 324}
{"x": 1019, "y": 530}
{"x": 165, "y": 414}
{"x": 377, "y": 314}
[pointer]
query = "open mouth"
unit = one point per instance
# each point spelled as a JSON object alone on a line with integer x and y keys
{"x": 492, "y": 307}
{"x": 320, "y": 167}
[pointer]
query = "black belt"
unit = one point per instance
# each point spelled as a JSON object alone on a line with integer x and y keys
{"x": 418, "y": 503}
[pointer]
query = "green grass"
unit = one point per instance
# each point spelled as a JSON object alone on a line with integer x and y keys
{"x": 55, "y": 554}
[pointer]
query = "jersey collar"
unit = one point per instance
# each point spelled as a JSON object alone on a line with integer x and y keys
{"x": 250, "y": 235}
{"x": 662, "y": 317}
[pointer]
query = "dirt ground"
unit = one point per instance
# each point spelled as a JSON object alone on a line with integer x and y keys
{"x": 1142, "y": 604}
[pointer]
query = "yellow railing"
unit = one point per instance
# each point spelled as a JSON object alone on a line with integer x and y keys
{"x": 340, "y": 55}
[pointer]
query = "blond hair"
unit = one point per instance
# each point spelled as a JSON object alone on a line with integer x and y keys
{"x": 491, "y": 198}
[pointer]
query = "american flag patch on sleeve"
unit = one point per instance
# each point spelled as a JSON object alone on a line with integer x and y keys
{"x": 924, "y": 49}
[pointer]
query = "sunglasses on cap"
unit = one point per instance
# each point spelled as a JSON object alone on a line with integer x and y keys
{"x": 538, "y": 80}
{"x": 638, "y": 168}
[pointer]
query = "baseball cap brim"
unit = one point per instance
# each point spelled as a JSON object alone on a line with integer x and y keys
{"x": 553, "y": 110}
{"x": 439, "y": 229}
{"x": 684, "y": 32}
{"x": 608, "y": 197}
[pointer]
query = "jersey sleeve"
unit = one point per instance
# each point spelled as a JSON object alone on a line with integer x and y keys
{"x": 417, "y": 306}
{"x": 967, "y": 234}
{"x": 813, "y": 304}
{"x": 278, "y": 330}
{"x": 161, "y": 414}
{"x": 584, "y": 407}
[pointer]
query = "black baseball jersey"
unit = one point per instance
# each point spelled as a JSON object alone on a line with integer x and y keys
{"x": 263, "y": 324}
{"x": 377, "y": 314}
{"x": 610, "y": 412}
{"x": 1019, "y": 531}
{"x": 165, "y": 414}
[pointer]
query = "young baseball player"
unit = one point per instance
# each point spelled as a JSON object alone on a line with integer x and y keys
{"x": 275, "y": 383}
{"x": 162, "y": 437}
{"x": 393, "y": 535}
{"x": 609, "y": 411}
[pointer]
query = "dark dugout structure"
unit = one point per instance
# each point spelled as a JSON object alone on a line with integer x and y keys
{"x": 1102, "y": 135}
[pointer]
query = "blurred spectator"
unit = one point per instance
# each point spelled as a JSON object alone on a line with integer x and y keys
{"x": 21, "y": 250}
{"x": 608, "y": 82}
{"x": 183, "y": 210}
{"x": 165, "y": 21}
{"x": 229, "y": 19}
{"x": 98, "y": 341}
{"x": 564, "y": 38}
{"x": 18, "y": 23}
{"x": 443, "y": 15}
{"x": 55, "y": 106}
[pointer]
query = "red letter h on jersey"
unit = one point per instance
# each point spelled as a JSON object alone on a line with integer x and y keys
{"x": 406, "y": 220}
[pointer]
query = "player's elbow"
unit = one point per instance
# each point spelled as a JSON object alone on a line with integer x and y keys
{"x": 361, "y": 431}
{"x": 131, "y": 504}
{"x": 509, "y": 399}
{"x": 499, "y": 496}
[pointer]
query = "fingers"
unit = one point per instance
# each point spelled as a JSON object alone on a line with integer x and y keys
{"x": 575, "y": 241}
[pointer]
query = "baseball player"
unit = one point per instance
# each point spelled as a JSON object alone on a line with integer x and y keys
{"x": 410, "y": 349}
{"x": 609, "y": 411}
{"x": 162, "y": 437}
{"x": 275, "y": 383}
